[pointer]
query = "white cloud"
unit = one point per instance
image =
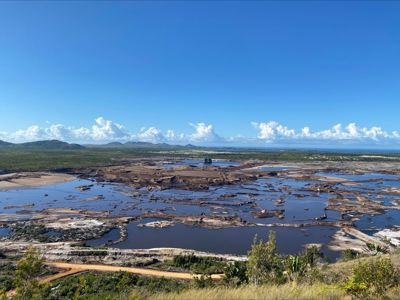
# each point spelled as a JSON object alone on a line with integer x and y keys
{"x": 102, "y": 130}
{"x": 151, "y": 134}
{"x": 274, "y": 132}
{"x": 204, "y": 133}
{"x": 305, "y": 132}
{"x": 105, "y": 129}
{"x": 270, "y": 132}
{"x": 31, "y": 133}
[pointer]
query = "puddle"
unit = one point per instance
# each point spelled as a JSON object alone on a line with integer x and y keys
{"x": 4, "y": 231}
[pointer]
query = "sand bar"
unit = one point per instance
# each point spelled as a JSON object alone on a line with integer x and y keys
{"x": 30, "y": 179}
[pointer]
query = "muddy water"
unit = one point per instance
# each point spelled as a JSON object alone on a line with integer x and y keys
{"x": 300, "y": 205}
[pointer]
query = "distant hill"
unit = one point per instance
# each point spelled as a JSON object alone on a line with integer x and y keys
{"x": 141, "y": 145}
{"x": 59, "y": 145}
{"x": 45, "y": 145}
{"x": 4, "y": 144}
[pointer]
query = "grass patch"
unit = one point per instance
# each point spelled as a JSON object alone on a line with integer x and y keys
{"x": 99, "y": 285}
{"x": 287, "y": 291}
{"x": 16, "y": 159}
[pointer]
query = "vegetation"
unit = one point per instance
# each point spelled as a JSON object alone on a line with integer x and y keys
{"x": 376, "y": 248}
{"x": 236, "y": 274}
{"x": 265, "y": 292}
{"x": 45, "y": 158}
{"x": 196, "y": 264}
{"x": 349, "y": 254}
{"x": 266, "y": 275}
{"x": 7, "y": 270}
{"x": 95, "y": 285}
{"x": 31, "y": 231}
{"x": 265, "y": 265}
{"x": 299, "y": 266}
{"x": 27, "y": 274}
{"x": 372, "y": 279}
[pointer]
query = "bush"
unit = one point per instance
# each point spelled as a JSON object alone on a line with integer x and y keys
{"x": 97, "y": 285}
{"x": 198, "y": 264}
{"x": 297, "y": 266}
{"x": 27, "y": 273}
{"x": 204, "y": 281}
{"x": 372, "y": 278}
{"x": 6, "y": 282}
{"x": 376, "y": 248}
{"x": 264, "y": 263}
{"x": 349, "y": 254}
{"x": 235, "y": 274}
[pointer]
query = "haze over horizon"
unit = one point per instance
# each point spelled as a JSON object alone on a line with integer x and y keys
{"x": 265, "y": 74}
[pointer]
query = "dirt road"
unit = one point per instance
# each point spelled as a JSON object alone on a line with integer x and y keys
{"x": 76, "y": 268}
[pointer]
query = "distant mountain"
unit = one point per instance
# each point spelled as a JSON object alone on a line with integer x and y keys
{"x": 59, "y": 145}
{"x": 156, "y": 146}
{"x": 141, "y": 145}
{"x": 114, "y": 144}
{"x": 45, "y": 145}
{"x": 4, "y": 144}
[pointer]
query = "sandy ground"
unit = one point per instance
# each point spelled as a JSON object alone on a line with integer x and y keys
{"x": 29, "y": 179}
{"x": 71, "y": 269}
{"x": 107, "y": 268}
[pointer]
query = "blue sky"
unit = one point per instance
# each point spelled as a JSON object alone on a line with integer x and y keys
{"x": 234, "y": 66}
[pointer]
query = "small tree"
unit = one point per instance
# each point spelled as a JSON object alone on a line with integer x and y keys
{"x": 29, "y": 268}
{"x": 264, "y": 263}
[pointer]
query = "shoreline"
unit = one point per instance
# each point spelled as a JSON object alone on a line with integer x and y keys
{"x": 32, "y": 179}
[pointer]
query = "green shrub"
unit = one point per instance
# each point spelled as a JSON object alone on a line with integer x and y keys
{"x": 372, "y": 278}
{"x": 198, "y": 264}
{"x": 97, "y": 285}
{"x": 377, "y": 248}
{"x": 235, "y": 274}
{"x": 349, "y": 254}
{"x": 204, "y": 281}
{"x": 264, "y": 264}
{"x": 296, "y": 266}
{"x": 6, "y": 282}
{"x": 29, "y": 268}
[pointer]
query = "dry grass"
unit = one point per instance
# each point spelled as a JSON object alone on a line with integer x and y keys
{"x": 267, "y": 292}
{"x": 344, "y": 269}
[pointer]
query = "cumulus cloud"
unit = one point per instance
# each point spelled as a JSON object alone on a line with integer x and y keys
{"x": 204, "y": 133}
{"x": 274, "y": 132}
{"x": 105, "y": 130}
{"x": 271, "y": 130}
{"x": 151, "y": 134}
{"x": 102, "y": 130}
{"x": 270, "y": 133}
